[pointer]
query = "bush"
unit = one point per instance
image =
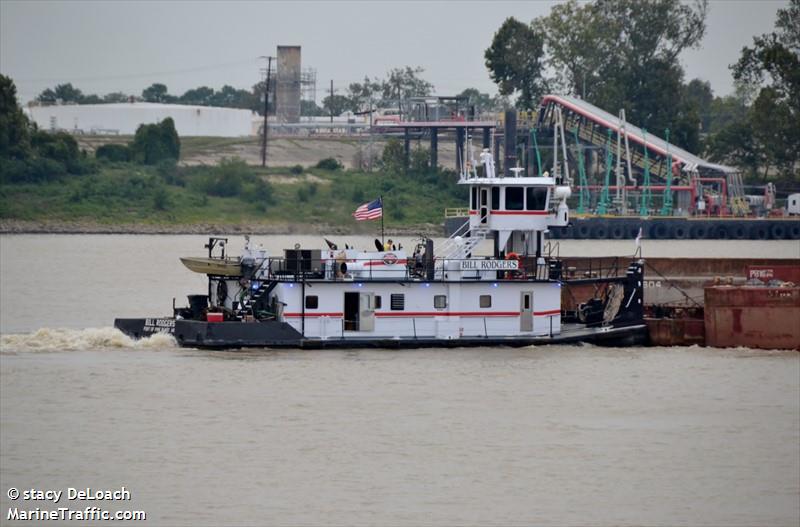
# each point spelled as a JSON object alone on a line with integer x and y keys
{"x": 170, "y": 173}
{"x": 358, "y": 195}
{"x": 161, "y": 198}
{"x": 231, "y": 177}
{"x": 393, "y": 157}
{"x": 297, "y": 169}
{"x": 259, "y": 192}
{"x": 156, "y": 142}
{"x": 329, "y": 163}
{"x": 113, "y": 152}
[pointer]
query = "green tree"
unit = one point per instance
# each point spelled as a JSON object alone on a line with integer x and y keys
{"x": 14, "y": 126}
{"x": 66, "y": 93}
{"x": 773, "y": 65}
{"x": 620, "y": 54}
{"x": 155, "y": 93}
{"x": 483, "y": 102}
{"x": 310, "y": 109}
{"x": 336, "y": 104}
{"x": 257, "y": 100}
{"x": 361, "y": 93}
{"x": 156, "y": 142}
{"x": 201, "y": 96}
{"x": 515, "y": 61}
{"x": 393, "y": 157}
{"x": 404, "y": 83}
{"x": 698, "y": 96}
{"x": 115, "y": 97}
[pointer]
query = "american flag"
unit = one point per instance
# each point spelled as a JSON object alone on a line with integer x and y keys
{"x": 369, "y": 211}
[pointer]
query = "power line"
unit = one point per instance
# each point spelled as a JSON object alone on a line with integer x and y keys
{"x": 138, "y": 75}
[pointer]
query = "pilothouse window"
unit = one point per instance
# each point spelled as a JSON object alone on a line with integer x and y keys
{"x": 495, "y": 198}
{"x": 514, "y": 196}
{"x": 536, "y": 198}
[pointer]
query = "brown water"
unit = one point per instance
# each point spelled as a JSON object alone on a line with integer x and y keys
{"x": 537, "y": 436}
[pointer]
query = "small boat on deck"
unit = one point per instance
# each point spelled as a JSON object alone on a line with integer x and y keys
{"x": 213, "y": 266}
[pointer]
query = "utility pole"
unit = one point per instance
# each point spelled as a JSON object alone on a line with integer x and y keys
{"x": 266, "y": 112}
{"x": 330, "y": 102}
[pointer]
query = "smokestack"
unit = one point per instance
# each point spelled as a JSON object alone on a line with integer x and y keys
{"x": 510, "y": 142}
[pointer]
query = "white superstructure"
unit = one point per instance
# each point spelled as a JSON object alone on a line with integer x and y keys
{"x": 447, "y": 294}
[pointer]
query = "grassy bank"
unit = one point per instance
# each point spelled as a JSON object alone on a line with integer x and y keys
{"x": 229, "y": 194}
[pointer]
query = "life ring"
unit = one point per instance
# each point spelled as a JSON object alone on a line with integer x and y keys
{"x": 519, "y": 272}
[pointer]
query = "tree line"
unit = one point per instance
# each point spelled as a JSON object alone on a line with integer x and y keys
{"x": 398, "y": 84}
{"x": 625, "y": 54}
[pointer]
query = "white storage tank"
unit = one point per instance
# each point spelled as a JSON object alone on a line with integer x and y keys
{"x": 125, "y": 118}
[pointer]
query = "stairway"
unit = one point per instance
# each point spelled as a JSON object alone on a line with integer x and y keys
{"x": 461, "y": 244}
{"x": 263, "y": 290}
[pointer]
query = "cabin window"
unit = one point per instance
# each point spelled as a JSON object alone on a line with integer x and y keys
{"x": 486, "y": 301}
{"x": 377, "y": 301}
{"x": 312, "y": 302}
{"x": 514, "y": 197}
{"x": 474, "y": 200}
{"x": 398, "y": 302}
{"x": 536, "y": 198}
{"x": 495, "y": 198}
{"x": 440, "y": 301}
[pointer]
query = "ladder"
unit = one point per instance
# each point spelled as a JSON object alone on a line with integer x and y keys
{"x": 666, "y": 207}
{"x": 647, "y": 196}
{"x": 602, "y": 205}
{"x": 584, "y": 197}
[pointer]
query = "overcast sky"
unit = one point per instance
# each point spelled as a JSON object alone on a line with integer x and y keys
{"x": 106, "y": 46}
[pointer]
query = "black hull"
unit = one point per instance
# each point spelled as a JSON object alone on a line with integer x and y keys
{"x": 272, "y": 334}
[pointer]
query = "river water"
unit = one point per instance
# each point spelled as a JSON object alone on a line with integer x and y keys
{"x": 554, "y": 435}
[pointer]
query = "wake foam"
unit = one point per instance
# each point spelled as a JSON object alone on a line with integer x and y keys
{"x": 59, "y": 339}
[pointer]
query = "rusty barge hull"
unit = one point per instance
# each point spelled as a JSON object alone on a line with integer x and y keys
{"x": 683, "y": 307}
{"x": 752, "y": 316}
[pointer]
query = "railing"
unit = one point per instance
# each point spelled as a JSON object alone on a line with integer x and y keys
{"x": 604, "y": 267}
{"x": 414, "y": 269}
{"x": 456, "y": 212}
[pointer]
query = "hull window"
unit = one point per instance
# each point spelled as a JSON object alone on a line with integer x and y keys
{"x": 486, "y": 301}
{"x": 398, "y": 302}
{"x": 312, "y": 302}
{"x": 440, "y": 301}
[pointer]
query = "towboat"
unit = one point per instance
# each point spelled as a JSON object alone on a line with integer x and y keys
{"x": 450, "y": 295}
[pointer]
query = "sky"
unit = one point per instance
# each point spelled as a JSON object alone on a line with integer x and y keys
{"x": 107, "y": 46}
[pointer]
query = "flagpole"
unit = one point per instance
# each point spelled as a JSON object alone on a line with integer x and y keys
{"x": 382, "y": 210}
